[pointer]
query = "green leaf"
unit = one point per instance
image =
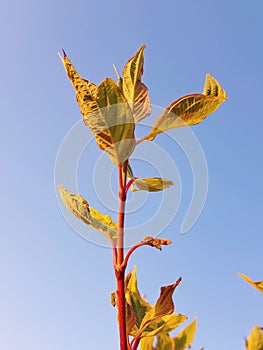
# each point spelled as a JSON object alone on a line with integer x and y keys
{"x": 151, "y": 184}
{"x": 255, "y": 339}
{"x": 134, "y": 90}
{"x": 92, "y": 217}
{"x": 183, "y": 340}
{"x": 190, "y": 109}
{"x": 106, "y": 112}
{"x": 258, "y": 285}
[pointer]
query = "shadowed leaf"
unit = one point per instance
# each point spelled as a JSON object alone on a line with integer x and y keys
{"x": 81, "y": 209}
{"x": 255, "y": 339}
{"x": 258, "y": 285}
{"x": 151, "y": 184}
{"x": 106, "y": 112}
{"x": 190, "y": 109}
{"x": 134, "y": 90}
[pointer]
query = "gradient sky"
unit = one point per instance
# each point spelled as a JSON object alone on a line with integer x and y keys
{"x": 55, "y": 286}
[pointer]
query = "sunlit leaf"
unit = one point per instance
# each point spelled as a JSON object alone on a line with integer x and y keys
{"x": 106, "y": 112}
{"x": 151, "y": 184}
{"x": 92, "y": 217}
{"x": 183, "y": 340}
{"x": 134, "y": 90}
{"x": 190, "y": 109}
{"x": 255, "y": 339}
{"x": 258, "y": 285}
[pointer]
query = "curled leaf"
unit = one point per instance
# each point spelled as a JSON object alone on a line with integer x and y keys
{"x": 258, "y": 285}
{"x": 92, "y": 217}
{"x": 151, "y": 184}
{"x": 156, "y": 242}
{"x": 134, "y": 90}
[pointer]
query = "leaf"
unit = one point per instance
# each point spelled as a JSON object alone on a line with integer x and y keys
{"x": 151, "y": 184}
{"x": 81, "y": 209}
{"x": 190, "y": 109}
{"x": 156, "y": 242}
{"x": 258, "y": 285}
{"x": 213, "y": 88}
{"x": 183, "y": 340}
{"x": 164, "y": 304}
{"x": 134, "y": 90}
{"x": 153, "y": 321}
{"x": 164, "y": 342}
{"x": 255, "y": 339}
{"x": 146, "y": 343}
{"x": 135, "y": 300}
{"x": 106, "y": 112}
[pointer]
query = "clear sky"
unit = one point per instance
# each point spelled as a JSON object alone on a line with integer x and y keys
{"x": 55, "y": 285}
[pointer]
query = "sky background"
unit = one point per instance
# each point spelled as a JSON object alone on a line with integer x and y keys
{"x": 55, "y": 285}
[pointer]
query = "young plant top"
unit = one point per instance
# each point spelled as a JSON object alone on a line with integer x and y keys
{"x": 111, "y": 111}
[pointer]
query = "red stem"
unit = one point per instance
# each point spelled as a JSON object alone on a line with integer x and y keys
{"x": 119, "y": 270}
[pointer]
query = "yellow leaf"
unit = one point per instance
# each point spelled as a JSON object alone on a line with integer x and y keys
{"x": 183, "y": 340}
{"x": 258, "y": 285}
{"x": 190, "y": 109}
{"x": 81, "y": 209}
{"x": 255, "y": 339}
{"x": 151, "y": 184}
{"x": 134, "y": 90}
{"x": 106, "y": 112}
{"x": 146, "y": 343}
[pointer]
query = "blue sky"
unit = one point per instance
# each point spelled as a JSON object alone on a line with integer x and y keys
{"x": 55, "y": 286}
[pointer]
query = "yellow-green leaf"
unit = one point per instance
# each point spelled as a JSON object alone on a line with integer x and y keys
{"x": 190, "y": 109}
{"x": 92, "y": 217}
{"x": 151, "y": 184}
{"x": 258, "y": 285}
{"x": 172, "y": 321}
{"x": 106, "y": 112}
{"x": 164, "y": 342}
{"x": 183, "y": 340}
{"x": 255, "y": 339}
{"x": 135, "y": 300}
{"x": 134, "y": 90}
